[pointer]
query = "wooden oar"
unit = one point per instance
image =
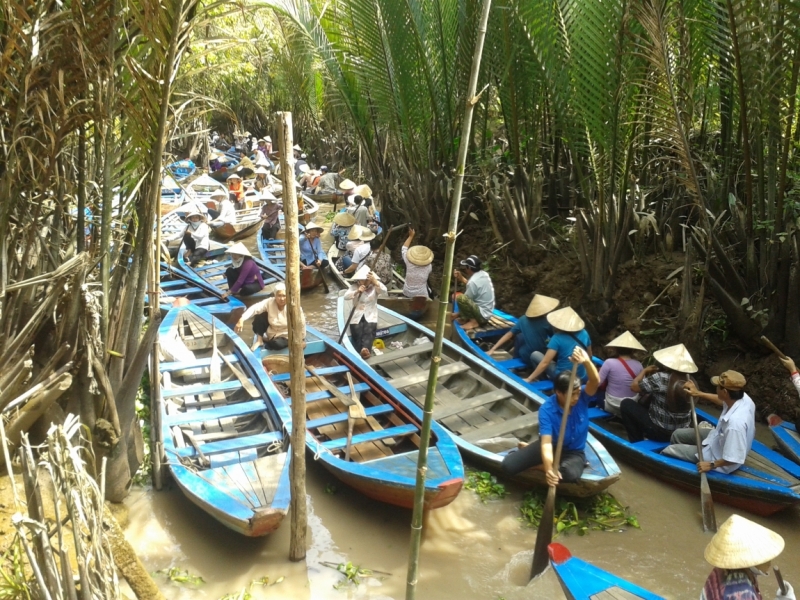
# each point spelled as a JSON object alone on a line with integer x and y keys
{"x": 383, "y": 245}
{"x": 345, "y": 399}
{"x": 243, "y": 379}
{"x": 324, "y": 283}
{"x": 772, "y": 347}
{"x": 545, "y": 533}
{"x": 781, "y": 582}
{"x": 349, "y": 318}
{"x": 355, "y": 411}
{"x": 706, "y": 501}
{"x": 215, "y": 368}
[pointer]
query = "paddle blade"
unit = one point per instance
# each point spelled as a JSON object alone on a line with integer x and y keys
{"x": 707, "y": 504}
{"x": 544, "y": 535}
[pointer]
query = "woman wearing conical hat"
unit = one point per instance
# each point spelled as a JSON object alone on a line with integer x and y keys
{"x": 244, "y": 276}
{"x": 531, "y": 331}
{"x": 569, "y": 333}
{"x": 619, "y": 370}
{"x": 668, "y": 407}
{"x": 365, "y": 287}
{"x": 342, "y": 223}
{"x": 739, "y": 552}
{"x": 195, "y": 237}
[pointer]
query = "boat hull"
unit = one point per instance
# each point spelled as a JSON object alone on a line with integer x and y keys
{"x": 239, "y": 231}
{"x": 785, "y": 435}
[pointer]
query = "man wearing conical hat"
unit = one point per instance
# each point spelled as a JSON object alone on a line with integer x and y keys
{"x": 476, "y": 304}
{"x": 418, "y": 261}
{"x": 739, "y": 552}
{"x": 532, "y": 331}
{"x": 667, "y": 403}
{"x": 725, "y": 447}
{"x": 568, "y": 334}
{"x": 619, "y": 370}
{"x": 243, "y": 276}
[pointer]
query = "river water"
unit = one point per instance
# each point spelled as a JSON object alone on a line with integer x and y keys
{"x": 469, "y": 550}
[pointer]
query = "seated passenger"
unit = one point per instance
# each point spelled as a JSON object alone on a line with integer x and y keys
{"x": 270, "y": 323}
{"x": 619, "y": 370}
{"x": 311, "y": 253}
{"x": 244, "y": 275}
{"x": 568, "y": 333}
{"x": 531, "y": 331}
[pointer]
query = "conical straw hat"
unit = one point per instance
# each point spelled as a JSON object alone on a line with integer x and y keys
{"x": 676, "y": 358}
{"x": 420, "y": 255}
{"x": 361, "y": 274}
{"x": 740, "y": 544}
{"x": 566, "y": 319}
{"x": 363, "y": 190}
{"x": 345, "y": 219}
{"x": 541, "y": 305}
{"x": 239, "y": 248}
{"x": 626, "y": 340}
{"x": 366, "y": 234}
{"x": 347, "y": 185}
{"x": 355, "y": 232}
{"x": 234, "y": 176}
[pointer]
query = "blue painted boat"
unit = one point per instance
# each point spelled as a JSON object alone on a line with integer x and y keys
{"x": 786, "y": 437}
{"x": 385, "y": 445}
{"x": 182, "y": 169}
{"x": 176, "y": 283}
{"x": 765, "y": 484}
{"x": 581, "y": 580}
{"x": 212, "y": 271}
{"x": 273, "y": 253}
{"x": 221, "y": 425}
{"x": 487, "y": 412}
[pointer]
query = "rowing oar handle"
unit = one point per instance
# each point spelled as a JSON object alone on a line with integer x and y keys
{"x": 781, "y": 582}
{"x": 772, "y": 347}
{"x": 347, "y": 323}
{"x": 383, "y": 245}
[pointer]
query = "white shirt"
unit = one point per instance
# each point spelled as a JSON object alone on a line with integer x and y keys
{"x": 278, "y": 325}
{"x": 416, "y": 277}
{"x": 367, "y": 306}
{"x": 361, "y": 253}
{"x": 481, "y": 290}
{"x": 261, "y": 159}
{"x": 352, "y": 245}
{"x": 227, "y": 213}
{"x": 199, "y": 235}
{"x": 733, "y": 436}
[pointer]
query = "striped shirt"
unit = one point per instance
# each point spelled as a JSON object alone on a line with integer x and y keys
{"x": 656, "y": 385}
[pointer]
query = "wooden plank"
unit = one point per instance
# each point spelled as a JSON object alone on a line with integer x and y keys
{"x": 398, "y": 354}
{"x": 615, "y": 593}
{"x": 498, "y": 429}
{"x": 207, "y": 388}
{"x": 323, "y": 371}
{"x": 234, "y": 445}
{"x": 325, "y": 394}
{"x": 415, "y": 378}
{"x": 209, "y": 414}
{"x": 474, "y": 402}
{"x": 191, "y": 364}
{"x": 372, "y": 411}
{"x": 372, "y": 436}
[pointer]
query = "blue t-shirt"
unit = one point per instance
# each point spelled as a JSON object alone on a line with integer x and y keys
{"x": 530, "y": 335}
{"x": 577, "y": 424}
{"x": 563, "y": 343}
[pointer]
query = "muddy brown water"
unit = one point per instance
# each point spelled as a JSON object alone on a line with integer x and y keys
{"x": 470, "y": 550}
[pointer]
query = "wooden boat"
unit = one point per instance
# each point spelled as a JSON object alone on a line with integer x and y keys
{"x": 201, "y": 188}
{"x": 173, "y": 224}
{"x": 176, "y": 283}
{"x": 248, "y": 221}
{"x": 182, "y": 169}
{"x": 172, "y": 195}
{"x": 786, "y": 437}
{"x": 273, "y": 253}
{"x": 487, "y": 412}
{"x": 342, "y": 280}
{"x": 221, "y": 426}
{"x": 765, "y": 484}
{"x": 385, "y": 445}
{"x": 422, "y": 309}
{"x": 583, "y": 581}
{"x": 212, "y": 271}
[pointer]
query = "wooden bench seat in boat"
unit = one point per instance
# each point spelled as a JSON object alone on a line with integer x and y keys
{"x": 220, "y": 412}
{"x": 233, "y": 445}
{"x": 205, "y": 388}
{"x": 444, "y": 371}
{"x": 215, "y": 264}
{"x": 489, "y": 397}
{"x": 325, "y": 394}
{"x": 497, "y": 429}
{"x": 372, "y": 436}
{"x": 398, "y": 354}
{"x": 192, "y": 364}
{"x": 322, "y": 371}
{"x": 371, "y": 411}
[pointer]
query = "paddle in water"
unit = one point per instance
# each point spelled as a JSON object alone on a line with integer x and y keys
{"x": 544, "y": 534}
{"x": 706, "y": 501}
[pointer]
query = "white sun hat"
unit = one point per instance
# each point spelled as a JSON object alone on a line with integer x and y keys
{"x": 741, "y": 543}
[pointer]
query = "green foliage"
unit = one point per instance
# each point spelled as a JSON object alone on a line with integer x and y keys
{"x": 331, "y": 489}
{"x": 353, "y": 573}
{"x": 181, "y": 576}
{"x": 14, "y": 584}
{"x": 245, "y": 593}
{"x": 601, "y": 513}
{"x": 485, "y": 485}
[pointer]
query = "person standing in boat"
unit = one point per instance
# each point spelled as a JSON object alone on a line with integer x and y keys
{"x": 244, "y": 276}
{"x": 327, "y": 181}
{"x": 311, "y": 253}
{"x": 739, "y": 552}
{"x": 195, "y": 238}
{"x": 539, "y": 454}
{"x": 532, "y": 331}
{"x": 364, "y": 291}
{"x": 270, "y": 214}
{"x": 418, "y": 261}
{"x": 619, "y": 370}
{"x": 270, "y": 322}
{"x": 227, "y": 213}
{"x": 476, "y": 304}
{"x": 725, "y": 447}
{"x": 568, "y": 333}
{"x": 359, "y": 249}
{"x": 667, "y": 406}
{"x": 342, "y": 223}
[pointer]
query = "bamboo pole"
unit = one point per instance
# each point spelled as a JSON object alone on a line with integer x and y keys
{"x": 447, "y": 271}
{"x": 297, "y": 383}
